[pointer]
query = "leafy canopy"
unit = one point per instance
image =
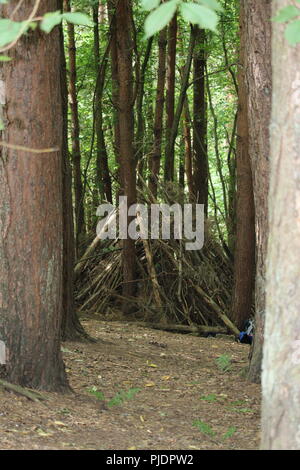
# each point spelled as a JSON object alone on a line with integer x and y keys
{"x": 201, "y": 12}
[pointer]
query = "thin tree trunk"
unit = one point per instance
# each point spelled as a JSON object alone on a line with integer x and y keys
{"x": 170, "y": 95}
{"x": 114, "y": 81}
{"x": 281, "y": 358}
{"x": 102, "y": 167}
{"x": 155, "y": 156}
{"x": 259, "y": 91}
{"x": 126, "y": 129}
{"x": 71, "y": 329}
{"x": 244, "y": 260}
{"x": 141, "y": 128}
{"x": 76, "y": 152}
{"x": 200, "y": 176}
{"x": 174, "y": 130}
{"x": 31, "y": 221}
{"x": 188, "y": 160}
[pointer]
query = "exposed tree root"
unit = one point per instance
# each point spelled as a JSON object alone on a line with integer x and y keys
{"x": 25, "y": 392}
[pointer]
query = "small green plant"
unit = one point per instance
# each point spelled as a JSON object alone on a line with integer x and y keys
{"x": 211, "y": 398}
{"x": 204, "y": 427}
{"x": 224, "y": 363}
{"x": 238, "y": 402}
{"x": 230, "y": 432}
{"x": 65, "y": 411}
{"x": 122, "y": 396}
{"x": 99, "y": 395}
{"x": 243, "y": 410}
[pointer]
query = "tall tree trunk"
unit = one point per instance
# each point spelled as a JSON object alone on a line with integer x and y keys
{"x": 155, "y": 156}
{"x": 102, "y": 168}
{"x": 31, "y": 222}
{"x": 126, "y": 130}
{"x": 140, "y": 112}
{"x": 281, "y": 358}
{"x": 170, "y": 95}
{"x": 188, "y": 159}
{"x": 71, "y": 329}
{"x": 170, "y": 145}
{"x": 114, "y": 80}
{"x": 259, "y": 90}
{"x": 244, "y": 260}
{"x": 200, "y": 176}
{"x": 76, "y": 152}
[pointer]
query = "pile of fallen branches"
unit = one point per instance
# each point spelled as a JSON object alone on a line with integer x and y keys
{"x": 173, "y": 286}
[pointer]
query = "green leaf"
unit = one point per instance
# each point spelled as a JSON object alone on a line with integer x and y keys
{"x": 32, "y": 25}
{"x": 204, "y": 427}
{"x": 230, "y": 432}
{"x": 9, "y": 31}
{"x": 292, "y": 32}
{"x": 160, "y": 17}
{"x": 212, "y": 4}
{"x": 286, "y": 14}
{"x": 150, "y": 4}
{"x": 198, "y": 14}
{"x": 4, "y": 58}
{"x": 78, "y": 18}
{"x": 50, "y": 20}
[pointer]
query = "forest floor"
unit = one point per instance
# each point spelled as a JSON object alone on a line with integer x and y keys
{"x": 137, "y": 388}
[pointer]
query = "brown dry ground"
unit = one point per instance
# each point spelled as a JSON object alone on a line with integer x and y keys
{"x": 184, "y": 398}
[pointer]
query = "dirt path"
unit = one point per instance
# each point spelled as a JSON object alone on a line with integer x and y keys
{"x": 141, "y": 389}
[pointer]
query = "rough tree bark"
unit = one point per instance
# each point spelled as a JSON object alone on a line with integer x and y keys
{"x": 155, "y": 156}
{"x": 126, "y": 134}
{"x": 140, "y": 115}
{"x": 71, "y": 328}
{"x": 170, "y": 95}
{"x": 258, "y": 78}
{"x": 200, "y": 176}
{"x": 31, "y": 222}
{"x": 75, "y": 130}
{"x": 102, "y": 168}
{"x": 244, "y": 259}
{"x": 111, "y": 6}
{"x": 170, "y": 145}
{"x": 281, "y": 358}
{"x": 188, "y": 154}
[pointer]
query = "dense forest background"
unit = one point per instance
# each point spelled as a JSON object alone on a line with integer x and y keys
{"x": 162, "y": 102}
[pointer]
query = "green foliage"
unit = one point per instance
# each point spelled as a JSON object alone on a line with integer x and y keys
{"x": 243, "y": 410}
{"x": 122, "y": 396}
{"x": 204, "y": 427}
{"x": 98, "y": 394}
{"x": 200, "y": 12}
{"x": 230, "y": 432}
{"x": 224, "y": 363}
{"x": 210, "y": 398}
{"x": 160, "y": 17}
{"x": 10, "y": 30}
{"x": 77, "y": 18}
{"x": 50, "y": 20}
{"x": 118, "y": 399}
{"x": 4, "y": 58}
{"x": 292, "y": 30}
{"x": 149, "y": 5}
